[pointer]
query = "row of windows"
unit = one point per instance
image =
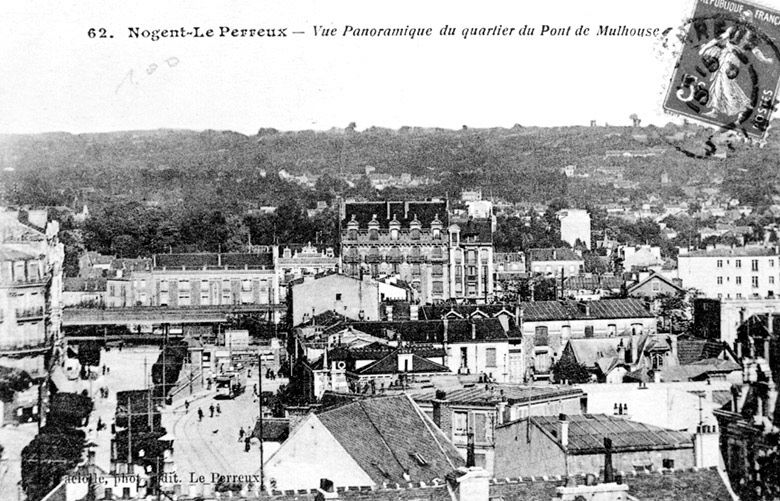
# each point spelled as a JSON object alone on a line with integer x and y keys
{"x": 414, "y": 234}
{"x": 754, "y": 282}
{"x": 738, "y": 263}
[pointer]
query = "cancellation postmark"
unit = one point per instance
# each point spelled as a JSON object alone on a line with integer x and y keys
{"x": 728, "y": 71}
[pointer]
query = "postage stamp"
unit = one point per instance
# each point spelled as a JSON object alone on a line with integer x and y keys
{"x": 728, "y": 71}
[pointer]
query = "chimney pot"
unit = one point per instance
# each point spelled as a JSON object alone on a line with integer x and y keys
{"x": 563, "y": 430}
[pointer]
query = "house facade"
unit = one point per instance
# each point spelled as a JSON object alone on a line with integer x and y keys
{"x": 440, "y": 255}
{"x": 199, "y": 279}
{"x": 562, "y": 262}
{"x": 547, "y": 326}
{"x": 355, "y": 298}
{"x": 571, "y": 445}
{"x": 478, "y": 409}
{"x": 30, "y": 294}
{"x": 407, "y": 239}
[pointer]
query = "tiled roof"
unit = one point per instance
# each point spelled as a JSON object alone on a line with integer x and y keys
{"x": 694, "y": 484}
{"x": 587, "y": 433}
{"x": 433, "y": 331}
{"x": 404, "y": 212}
{"x": 435, "y": 312}
{"x": 559, "y": 254}
{"x": 390, "y": 436}
{"x": 572, "y": 310}
{"x": 693, "y": 350}
{"x": 582, "y": 282}
{"x": 479, "y": 394}
{"x": 698, "y": 370}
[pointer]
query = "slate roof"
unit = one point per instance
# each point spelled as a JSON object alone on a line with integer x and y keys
{"x": 693, "y": 350}
{"x": 553, "y": 254}
{"x": 589, "y": 351}
{"x": 654, "y": 276}
{"x": 480, "y": 395}
{"x": 389, "y": 365}
{"x": 732, "y": 252}
{"x": 390, "y": 436}
{"x": 274, "y": 430}
{"x": 213, "y": 259}
{"x": 404, "y": 212}
{"x": 587, "y": 433}
{"x": 572, "y": 310}
{"x": 78, "y": 284}
{"x": 9, "y": 254}
{"x": 480, "y": 228}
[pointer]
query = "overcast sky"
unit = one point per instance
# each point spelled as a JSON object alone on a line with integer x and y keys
{"x": 55, "y": 78}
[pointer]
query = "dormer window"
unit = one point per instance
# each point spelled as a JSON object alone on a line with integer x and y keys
{"x": 414, "y": 234}
{"x": 373, "y": 234}
{"x": 287, "y": 253}
{"x": 437, "y": 234}
{"x": 394, "y": 234}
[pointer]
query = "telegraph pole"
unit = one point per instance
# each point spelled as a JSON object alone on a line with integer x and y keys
{"x": 260, "y": 400}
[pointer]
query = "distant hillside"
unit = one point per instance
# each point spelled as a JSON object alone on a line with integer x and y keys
{"x": 520, "y": 163}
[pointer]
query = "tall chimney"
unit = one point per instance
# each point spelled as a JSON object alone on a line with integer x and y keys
{"x": 473, "y": 331}
{"x": 609, "y": 473}
{"x": 563, "y": 430}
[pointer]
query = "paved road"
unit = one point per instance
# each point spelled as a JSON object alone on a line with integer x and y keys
{"x": 211, "y": 447}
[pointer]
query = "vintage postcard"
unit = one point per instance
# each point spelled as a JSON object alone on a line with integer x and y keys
{"x": 389, "y": 251}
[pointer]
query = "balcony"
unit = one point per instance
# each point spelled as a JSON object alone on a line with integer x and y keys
{"x": 395, "y": 259}
{"x": 351, "y": 259}
{"x": 374, "y": 259}
{"x": 29, "y": 314}
{"x": 415, "y": 259}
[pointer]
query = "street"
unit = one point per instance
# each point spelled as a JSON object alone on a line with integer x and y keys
{"x": 211, "y": 447}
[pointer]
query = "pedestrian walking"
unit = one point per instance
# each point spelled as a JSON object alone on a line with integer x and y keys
{"x": 104, "y": 369}
{"x": 247, "y": 444}
{"x": 211, "y": 410}
{"x": 219, "y": 411}
{"x": 254, "y": 389}
{"x": 241, "y": 434}
{"x": 200, "y": 414}
{"x": 186, "y": 406}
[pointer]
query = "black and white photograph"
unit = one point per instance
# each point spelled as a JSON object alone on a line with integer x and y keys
{"x": 389, "y": 251}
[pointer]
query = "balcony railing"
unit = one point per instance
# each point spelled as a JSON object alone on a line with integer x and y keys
{"x": 374, "y": 259}
{"x": 29, "y": 314}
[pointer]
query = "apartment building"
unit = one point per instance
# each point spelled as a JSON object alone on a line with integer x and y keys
{"x": 198, "y": 279}
{"x": 731, "y": 273}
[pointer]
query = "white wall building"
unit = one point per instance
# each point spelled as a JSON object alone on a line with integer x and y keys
{"x": 575, "y": 225}
{"x": 731, "y": 273}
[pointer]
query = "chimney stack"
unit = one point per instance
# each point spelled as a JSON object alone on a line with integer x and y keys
{"x": 609, "y": 473}
{"x": 473, "y": 331}
{"x": 563, "y": 430}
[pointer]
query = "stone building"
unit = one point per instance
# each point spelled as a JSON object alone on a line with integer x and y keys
{"x": 30, "y": 294}
{"x": 420, "y": 243}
